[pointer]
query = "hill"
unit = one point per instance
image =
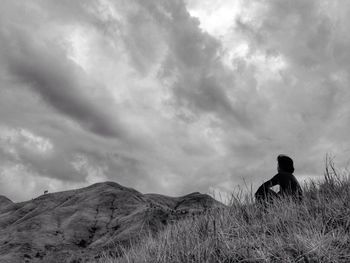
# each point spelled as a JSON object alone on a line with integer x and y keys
{"x": 76, "y": 225}
{"x": 4, "y": 202}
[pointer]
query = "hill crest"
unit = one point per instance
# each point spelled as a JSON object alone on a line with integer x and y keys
{"x": 55, "y": 226}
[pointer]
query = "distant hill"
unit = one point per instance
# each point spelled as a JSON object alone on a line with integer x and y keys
{"x": 62, "y": 226}
{"x": 4, "y": 202}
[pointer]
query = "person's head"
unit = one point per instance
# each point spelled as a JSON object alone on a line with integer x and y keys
{"x": 285, "y": 164}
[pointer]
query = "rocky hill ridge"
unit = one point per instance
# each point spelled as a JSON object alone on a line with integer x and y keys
{"x": 79, "y": 223}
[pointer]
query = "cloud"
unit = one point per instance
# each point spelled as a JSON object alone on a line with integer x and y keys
{"x": 146, "y": 94}
{"x": 60, "y": 82}
{"x": 305, "y": 99}
{"x": 288, "y": 82}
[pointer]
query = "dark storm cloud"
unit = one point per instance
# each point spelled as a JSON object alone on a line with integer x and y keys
{"x": 305, "y": 35}
{"x": 139, "y": 93}
{"x": 63, "y": 85}
{"x": 36, "y": 68}
{"x": 192, "y": 58}
{"x": 308, "y": 93}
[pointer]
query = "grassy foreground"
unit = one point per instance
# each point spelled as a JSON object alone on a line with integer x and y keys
{"x": 317, "y": 230}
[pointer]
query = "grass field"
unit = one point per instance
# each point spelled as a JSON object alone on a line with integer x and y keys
{"x": 317, "y": 230}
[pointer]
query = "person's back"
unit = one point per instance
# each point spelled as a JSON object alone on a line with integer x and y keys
{"x": 289, "y": 185}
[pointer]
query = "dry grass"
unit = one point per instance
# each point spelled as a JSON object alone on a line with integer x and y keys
{"x": 317, "y": 230}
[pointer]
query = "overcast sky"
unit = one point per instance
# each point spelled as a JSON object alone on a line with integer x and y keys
{"x": 170, "y": 96}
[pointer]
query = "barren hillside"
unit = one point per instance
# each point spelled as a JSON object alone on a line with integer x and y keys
{"x": 62, "y": 226}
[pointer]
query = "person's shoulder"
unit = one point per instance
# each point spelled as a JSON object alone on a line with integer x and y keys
{"x": 284, "y": 176}
{"x": 289, "y": 176}
{"x": 276, "y": 177}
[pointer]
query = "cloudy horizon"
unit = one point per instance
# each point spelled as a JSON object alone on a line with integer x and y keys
{"x": 171, "y": 96}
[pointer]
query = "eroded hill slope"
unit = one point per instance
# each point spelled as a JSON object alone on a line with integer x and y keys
{"x": 62, "y": 226}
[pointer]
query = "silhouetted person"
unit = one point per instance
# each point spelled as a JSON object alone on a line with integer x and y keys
{"x": 289, "y": 185}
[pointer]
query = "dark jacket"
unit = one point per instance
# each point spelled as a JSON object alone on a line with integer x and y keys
{"x": 289, "y": 186}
